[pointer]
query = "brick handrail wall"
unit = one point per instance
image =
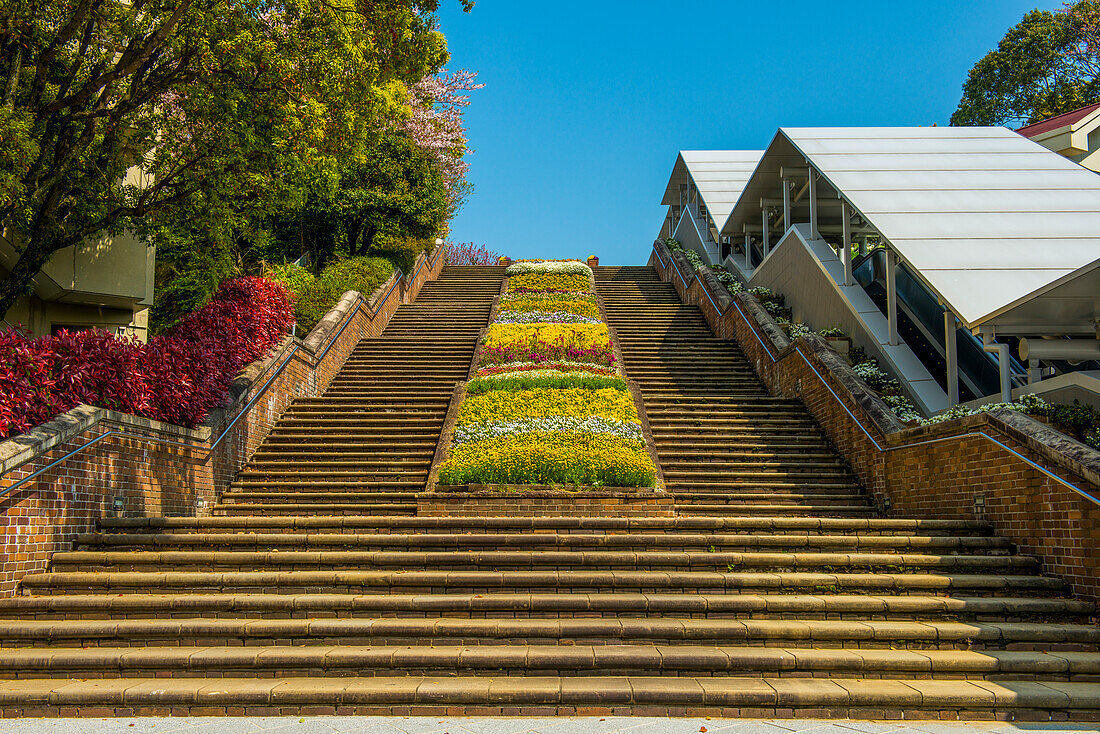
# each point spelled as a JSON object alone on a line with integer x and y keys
{"x": 90, "y": 462}
{"x": 1001, "y": 466}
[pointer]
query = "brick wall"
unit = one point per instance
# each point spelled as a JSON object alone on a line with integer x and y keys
{"x": 146, "y": 468}
{"x": 545, "y": 502}
{"x": 1001, "y": 466}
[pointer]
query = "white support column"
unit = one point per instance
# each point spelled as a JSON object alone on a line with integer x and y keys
{"x": 846, "y": 244}
{"x": 767, "y": 236}
{"x": 950, "y": 325}
{"x": 786, "y": 205}
{"x": 1001, "y": 350}
{"x": 892, "y": 296}
{"x": 813, "y": 205}
{"x": 748, "y": 253}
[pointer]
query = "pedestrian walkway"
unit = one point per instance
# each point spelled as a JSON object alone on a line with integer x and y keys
{"x": 557, "y": 725}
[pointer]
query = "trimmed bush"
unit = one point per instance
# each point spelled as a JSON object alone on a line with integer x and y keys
{"x": 317, "y": 294}
{"x": 177, "y": 377}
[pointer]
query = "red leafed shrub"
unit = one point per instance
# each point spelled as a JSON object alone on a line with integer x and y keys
{"x": 467, "y": 253}
{"x": 178, "y": 377}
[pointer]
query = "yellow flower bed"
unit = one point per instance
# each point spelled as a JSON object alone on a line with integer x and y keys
{"x": 504, "y": 405}
{"x": 550, "y": 458}
{"x": 580, "y": 336}
{"x": 581, "y": 308}
{"x": 549, "y": 282}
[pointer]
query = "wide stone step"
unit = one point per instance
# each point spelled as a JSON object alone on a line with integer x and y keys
{"x": 572, "y": 541}
{"x": 288, "y": 453}
{"x": 439, "y": 399}
{"x": 300, "y": 507}
{"x": 665, "y": 391}
{"x": 729, "y": 467}
{"x": 398, "y": 581}
{"x": 548, "y": 524}
{"x": 611, "y": 604}
{"x": 765, "y": 402}
{"x": 583, "y": 660}
{"x": 673, "y": 454}
{"x": 558, "y": 559}
{"x": 723, "y": 411}
{"x": 403, "y": 462}
{"x": 712, "y": 696}
{"x": 197, "y": 631}
{"x": 416, "y": 417}
{"x": 676, "y": 443}
{"x": 381, "y": 492}
{"x": 347, "y": 442}
{"x": 768, "y": 508}
{"x": 695, "y": 496}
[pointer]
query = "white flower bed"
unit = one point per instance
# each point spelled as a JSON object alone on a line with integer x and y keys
{"x": 543, "y": 317}
{"x": 595, "y": 425}
{"x": 568, "y": 267}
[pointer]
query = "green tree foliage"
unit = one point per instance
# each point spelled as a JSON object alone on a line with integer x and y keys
{"x": 223, "y": 105}
{"x": 1045, "y": 65}
{"x": 397, "y": 191}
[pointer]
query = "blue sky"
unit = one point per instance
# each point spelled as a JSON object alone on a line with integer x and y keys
{"x": 586, "y": 103}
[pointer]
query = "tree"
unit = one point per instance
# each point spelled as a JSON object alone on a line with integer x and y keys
{"x": 1045, "y": 65}
{"x": 397, "y": 191}
{"x": 222, "y": 104}
{"x": 437, "y": 103}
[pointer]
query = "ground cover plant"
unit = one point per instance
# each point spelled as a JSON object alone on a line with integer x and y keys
{"x": 547, "y": 404}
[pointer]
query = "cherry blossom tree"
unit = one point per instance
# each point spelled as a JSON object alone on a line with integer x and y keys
{"x": 437, "y": 103}
{"x": 468, "y": 253}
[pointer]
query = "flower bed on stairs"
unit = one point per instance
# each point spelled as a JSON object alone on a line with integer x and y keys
{"x": 547, "y": 408}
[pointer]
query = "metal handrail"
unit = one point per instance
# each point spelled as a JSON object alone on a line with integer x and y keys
{"x": 852, "y": 415}
{"x": 291, "y": 352}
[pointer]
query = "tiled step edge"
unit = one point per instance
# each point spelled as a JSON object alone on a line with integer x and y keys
{"x": 777, "y": 697}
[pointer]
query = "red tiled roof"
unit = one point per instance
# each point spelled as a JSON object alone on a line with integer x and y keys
{"x": 1066, "y": 118}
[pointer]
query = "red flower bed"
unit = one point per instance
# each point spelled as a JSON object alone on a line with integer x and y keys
{"x": 178, "y": 377}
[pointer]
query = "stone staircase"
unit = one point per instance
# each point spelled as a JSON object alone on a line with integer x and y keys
{"x": 776, "y": 591}
{"x": 366, "y": 445}
{"x": 724, "y": 443}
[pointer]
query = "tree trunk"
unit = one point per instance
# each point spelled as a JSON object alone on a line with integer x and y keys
{"x": 18, "y": 282}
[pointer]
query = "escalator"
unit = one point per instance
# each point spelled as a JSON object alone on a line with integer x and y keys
{"x": 920, "y": 325}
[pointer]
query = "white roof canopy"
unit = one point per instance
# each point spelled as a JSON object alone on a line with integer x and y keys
{"x": 719, "y": 175}
{"x": 985, "y": 217}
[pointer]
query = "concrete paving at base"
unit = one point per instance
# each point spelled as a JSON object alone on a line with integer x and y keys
{"x": 559, "y": 725}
